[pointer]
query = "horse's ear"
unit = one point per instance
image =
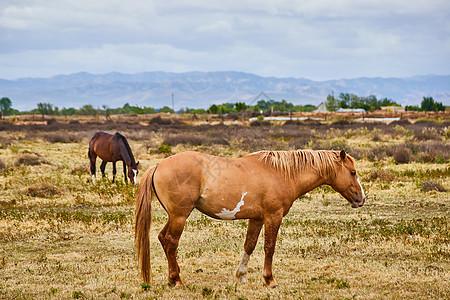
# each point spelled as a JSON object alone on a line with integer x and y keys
{"x": 137, "y": 164}
{"x": 343, "y": 154}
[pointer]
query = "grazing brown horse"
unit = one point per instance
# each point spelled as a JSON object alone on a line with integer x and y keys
{"x": 112, "y": 148}
{"x": 260, "y": 187}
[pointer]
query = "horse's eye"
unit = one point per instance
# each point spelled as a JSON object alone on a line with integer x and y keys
{"x": 353, "y": 173}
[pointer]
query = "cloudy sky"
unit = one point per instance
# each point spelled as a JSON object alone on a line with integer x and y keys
{"x": 320, "y": 40}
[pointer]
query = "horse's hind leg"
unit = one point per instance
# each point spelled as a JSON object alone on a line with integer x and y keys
{"x": 169, "y": 238}
{"x": 254, "y": 228}
{"x": 102, "y": 168}
{"x": 92, "y": 158}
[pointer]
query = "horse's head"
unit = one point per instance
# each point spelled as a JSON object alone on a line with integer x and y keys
{"x": 346, "y": 181}
{"x": 132, "y": 173}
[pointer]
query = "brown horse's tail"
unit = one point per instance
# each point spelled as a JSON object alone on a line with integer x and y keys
{"x": 143, "y": 220}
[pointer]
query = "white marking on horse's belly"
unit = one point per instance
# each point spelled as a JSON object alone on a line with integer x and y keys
{"x": 364, "y": 195}
{"x": 230, "y": 214}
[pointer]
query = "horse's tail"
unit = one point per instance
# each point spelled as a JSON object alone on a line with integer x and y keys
{"x": 143, "y": 220}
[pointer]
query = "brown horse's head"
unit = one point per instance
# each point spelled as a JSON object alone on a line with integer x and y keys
{"x": 346, "y": 181}
{"x": 132, "y": 173}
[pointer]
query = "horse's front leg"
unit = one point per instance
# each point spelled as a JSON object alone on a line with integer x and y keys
{"x": 271, "y": 226}
{"x": 254, "y": 228}
{"x": 114, "y": 170}
{"x": 125, "y": 171}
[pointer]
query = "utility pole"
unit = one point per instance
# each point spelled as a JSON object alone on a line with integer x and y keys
{"x": 173, "y": 104}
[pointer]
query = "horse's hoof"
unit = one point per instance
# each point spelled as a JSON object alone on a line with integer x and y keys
{"x": 176, "y": 283}
{"x": 270, "y": 283}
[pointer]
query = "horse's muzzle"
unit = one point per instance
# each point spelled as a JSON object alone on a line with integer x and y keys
{"x": 357, "y": 204}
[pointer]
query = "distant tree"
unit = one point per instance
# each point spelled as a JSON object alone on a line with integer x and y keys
{"x": 428, "y": 104}
{"x": 87, "y": 110}
{"x": 412, "y": 108}
{"x": 68, "y": 111}
{"x": 304, "y": 108}
{"x": 240, "y": 106}
{"x": 213, "y": 109}
{"x": 344, "y": 101}
{"x": 166, "y": 109}
{"x": 332, "y": 103}
{"x": 5, "y": 106}
{"x": 45, "y": 108}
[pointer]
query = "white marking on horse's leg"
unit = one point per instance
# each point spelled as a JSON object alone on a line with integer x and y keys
{"x": 230, "y": 214}
{"x": 243, "y": 267}
{"x": 135, "y": 176}
{"x": 364, "y": 195}
{"x": 93, "y": 178}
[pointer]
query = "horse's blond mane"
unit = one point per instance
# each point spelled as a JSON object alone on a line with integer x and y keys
{"x": 295, "y": 162}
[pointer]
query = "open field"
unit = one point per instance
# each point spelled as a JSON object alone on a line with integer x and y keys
{"x": 63, "y": 237}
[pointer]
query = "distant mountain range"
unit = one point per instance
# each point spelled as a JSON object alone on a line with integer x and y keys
{"x": 201, "y": 89}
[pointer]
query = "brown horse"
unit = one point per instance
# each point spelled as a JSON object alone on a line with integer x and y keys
{"x": 112, "y": 148}
{"x": 260, "y": 187}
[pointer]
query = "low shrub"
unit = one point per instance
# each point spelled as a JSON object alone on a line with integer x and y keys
{"x": 31, "y": 160}
{"x": 2, "y": 165}
{"x": 194, "y": 140}
{"x": 382, "y": 175}
{"x": 44, "y": 190}
{"x": 163, "y": 121}
{"x": 260, "y": 123}
{"x": 80, "y": 170}
{"x": 427, "y": 133}
{"x": 59, "y": 137}
{"x": 164, "y": 148}
{"x": 402, "y": 155}
{"x": 428, "y": 186}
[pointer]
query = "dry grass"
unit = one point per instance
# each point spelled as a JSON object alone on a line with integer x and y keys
{"x": 63, "y": 237}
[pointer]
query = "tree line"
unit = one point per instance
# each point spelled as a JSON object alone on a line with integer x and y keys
{"x": 345, "y": 100}
{"x": 45, "y": 108}
{"x": 371, "y": 103}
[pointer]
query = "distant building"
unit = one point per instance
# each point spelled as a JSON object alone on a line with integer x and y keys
{"x": 322, "y": 108}
{"x": 351, "y": 110}
{"x": 392, "y": 109}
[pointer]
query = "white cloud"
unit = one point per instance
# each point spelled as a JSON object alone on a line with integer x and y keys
{"x": 316, "y": 39}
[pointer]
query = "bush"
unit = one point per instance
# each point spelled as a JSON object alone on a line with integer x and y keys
{"x": 430, "y": 185}
{"x": 382, "y": 175}
{"x": 31, "y": 160}
{"x": 402, "y": 155}
{"x": 160, "y": 121}
{"x": 2, "y": 165}
{"x": 194, "y": 140}
{"x": 61, "y": 138}
{"x": 260, "y": 123}
{"x": 164, "y": 148}
{"x": 44, "y": 190}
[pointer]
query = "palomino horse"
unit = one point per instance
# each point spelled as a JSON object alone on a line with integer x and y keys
{"x": 111, "y": 148}
{"x": 260, "y": 187}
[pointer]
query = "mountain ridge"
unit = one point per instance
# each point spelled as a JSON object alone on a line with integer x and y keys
{"x": 201, "y": 89}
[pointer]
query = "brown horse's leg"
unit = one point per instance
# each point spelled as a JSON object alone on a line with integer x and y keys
{"x": 114, "y": 170}
{"x": 102, "y": 168}
{"x": 125, "y": 171}
{"x": 254, "y": 228}
{"x": 169, "y": 238}
{"x": 271, "y": 226}
{"x": 92, "y": 158}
